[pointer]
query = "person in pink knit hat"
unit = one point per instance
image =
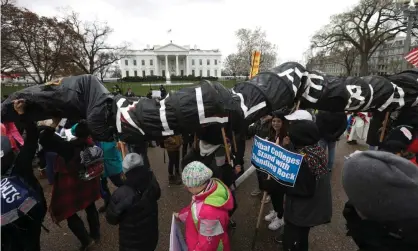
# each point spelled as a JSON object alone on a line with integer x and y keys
{"x": 206, "y": 218}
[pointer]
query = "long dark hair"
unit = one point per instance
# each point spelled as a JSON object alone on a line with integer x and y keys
{"x": 283, "y": 129}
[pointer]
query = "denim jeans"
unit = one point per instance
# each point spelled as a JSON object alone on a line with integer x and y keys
{"x": 331, "y": 151}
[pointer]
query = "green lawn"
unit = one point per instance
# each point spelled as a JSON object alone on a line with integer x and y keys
{"x": 138, "y": 88}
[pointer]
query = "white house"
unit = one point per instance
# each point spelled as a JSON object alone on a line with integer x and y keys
{"x": 171, "y": 59}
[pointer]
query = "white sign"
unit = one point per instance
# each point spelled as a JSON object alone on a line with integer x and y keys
{"x": 156, "y": 94}
{"x": 177, "y": 242}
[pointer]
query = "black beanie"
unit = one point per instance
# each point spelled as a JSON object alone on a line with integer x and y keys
{"x": 279, "y": 114}
{"x": 303, "y": 133}
{"x": 398, "y": 139}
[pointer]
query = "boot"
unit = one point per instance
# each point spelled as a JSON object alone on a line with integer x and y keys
{"x": 171, "y": 179}
{"x": 89, "y": 246}
{"x": 178, "y": 179}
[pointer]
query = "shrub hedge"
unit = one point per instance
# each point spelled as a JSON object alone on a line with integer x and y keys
{"x": 162, "y": 79}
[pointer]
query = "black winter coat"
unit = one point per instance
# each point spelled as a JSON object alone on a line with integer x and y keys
{"x": 375, "y": 236}
{"x": 259, "y": 128}
{"x": 134, "y": 207}
{"x": 373, "y": 136}
{"x": 309, "y": 202}
{"x": 331, "y": 125}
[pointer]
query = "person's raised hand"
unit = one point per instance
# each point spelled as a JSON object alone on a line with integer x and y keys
{"x": 286, "y": 141}
{"x": 19, "y": 106}
{"x": 267, "y": 118}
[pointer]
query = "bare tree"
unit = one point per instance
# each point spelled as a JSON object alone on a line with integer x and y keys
{"x": 8, "y": 61}
{"x": 315, "y": 61}
{"x": 88, "y": 52}
{"x": 252, "y": 40}
{"x": 35, "y": 45}
{"x": 102, "y": 60}
{"x": 115, "y": 72}
{"x": 344, "y": 55}
{"x": 394, "y": 66}
{"x": 366, "y": 27}
{"x": 347, "y": 56}
{"x": 7, "y": 2}
{"x": 236, "y": 65}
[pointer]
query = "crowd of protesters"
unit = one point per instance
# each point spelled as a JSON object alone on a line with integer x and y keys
{"x": 381, "y": 185}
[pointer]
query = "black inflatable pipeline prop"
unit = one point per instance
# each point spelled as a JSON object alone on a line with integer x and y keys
{"x": 210, "y": 102}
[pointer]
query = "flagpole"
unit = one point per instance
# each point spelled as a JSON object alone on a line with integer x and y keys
{"x": 410, "y": 11}
{"x": 169, "y": 33}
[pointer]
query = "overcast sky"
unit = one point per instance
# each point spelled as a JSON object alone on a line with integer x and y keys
{"x": 210, "y": 24}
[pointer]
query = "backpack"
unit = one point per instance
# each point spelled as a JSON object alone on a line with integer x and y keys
{"x": 92, "y": 159}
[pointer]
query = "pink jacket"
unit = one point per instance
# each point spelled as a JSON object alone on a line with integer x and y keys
{"x": 13, "y": 134}
{"x": 207, "y": 218}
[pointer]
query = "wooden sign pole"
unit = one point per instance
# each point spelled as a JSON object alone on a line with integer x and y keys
{"x": 385, "y": 123}
{"x": 122, "y": 148}
{"x": 234, "y": 141}
{"x": 228, "y": 154}
{"x": 195, "y": 142}
{"x": 261, "y": 209}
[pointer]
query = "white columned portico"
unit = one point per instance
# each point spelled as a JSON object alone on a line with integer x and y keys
{"x": 177, "y": 65}
{"x": 187, "y": 66}
{"x": 166, "y": 66}
{"x": 157, "y": 73}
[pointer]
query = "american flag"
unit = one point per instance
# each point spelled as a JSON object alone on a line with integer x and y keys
{"x": 412, "y": 57}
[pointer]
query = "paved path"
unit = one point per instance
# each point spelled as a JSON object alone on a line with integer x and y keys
{"x": 329, "y": 237}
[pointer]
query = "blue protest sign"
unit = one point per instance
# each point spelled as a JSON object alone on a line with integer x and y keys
{"x": 281, "y": 164}
{"x": 15, "y": 197}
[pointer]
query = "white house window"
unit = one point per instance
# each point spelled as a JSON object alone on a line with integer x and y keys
{"x": 151, "y": 62}
{"x": 192, "y": 61}
{"x": 216, "y": 62}
{"x": 143, "y": 74}
{"x": 193, "y": 73}
{"x": 200, "y": 61}
{"x": 126, "y": 62}
{"x": 143, "y": 62}
{"x": 208, "y": 61}
{"x": 201, "y": 72}
{"x": 152, "y": 72}
{"x": 134, "y": 62}
{"x": 127, "y": 73}
{"x": 136, "y": 73}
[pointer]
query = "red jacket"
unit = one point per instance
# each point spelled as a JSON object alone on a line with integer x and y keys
{"x": 70, "y": 193}
{"x": 207, "y": 218}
